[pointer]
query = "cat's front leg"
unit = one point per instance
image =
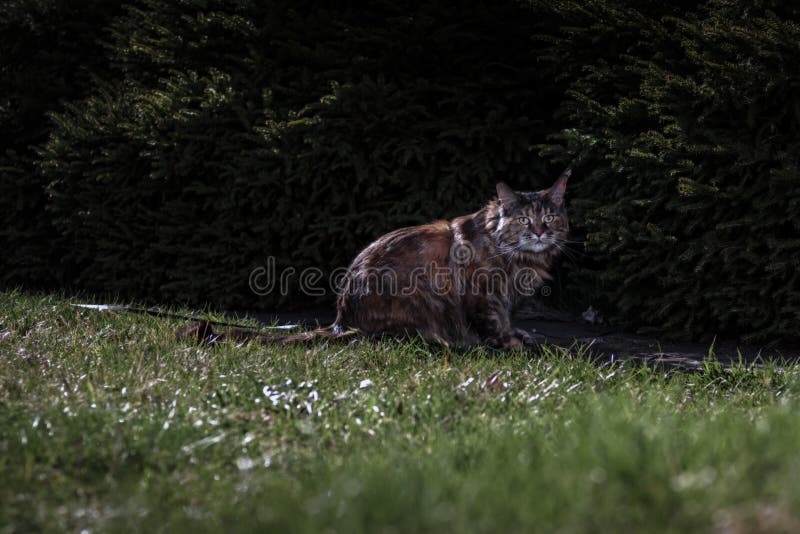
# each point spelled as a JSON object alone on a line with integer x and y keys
{"x": 495, "y": 322}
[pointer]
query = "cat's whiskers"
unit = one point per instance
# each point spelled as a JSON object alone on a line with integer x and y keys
{"x": 507, "y": 249}
{"x": 569, "y": 242}
{"x": 565, "y": 250}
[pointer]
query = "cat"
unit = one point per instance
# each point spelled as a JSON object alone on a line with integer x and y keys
{"x": 452, "y": 282}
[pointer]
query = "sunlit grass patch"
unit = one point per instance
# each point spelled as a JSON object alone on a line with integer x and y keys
{"x": 107, "y": 422}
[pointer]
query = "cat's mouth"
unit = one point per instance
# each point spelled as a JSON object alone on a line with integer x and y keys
{"x": 536, "y": 244}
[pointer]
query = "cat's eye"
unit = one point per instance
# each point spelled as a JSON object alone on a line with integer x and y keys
{"x": 523, "y": 220}
{"x": 547, "y": 219}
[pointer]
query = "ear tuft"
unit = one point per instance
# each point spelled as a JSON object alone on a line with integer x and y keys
{"x": 556, "y": 191}
{"x": 507, "y": 197}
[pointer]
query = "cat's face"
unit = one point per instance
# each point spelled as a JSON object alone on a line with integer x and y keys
{"x": 533, "y": 222}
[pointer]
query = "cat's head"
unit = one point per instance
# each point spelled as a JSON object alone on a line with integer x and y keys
{"x": 532, "y": 222}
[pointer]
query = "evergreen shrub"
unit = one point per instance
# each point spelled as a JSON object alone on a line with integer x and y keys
{"x": 690, "y": 135}
{"x": 233, "y": 132}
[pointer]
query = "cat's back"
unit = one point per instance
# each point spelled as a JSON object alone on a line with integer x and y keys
{"x": 408, "y": 248}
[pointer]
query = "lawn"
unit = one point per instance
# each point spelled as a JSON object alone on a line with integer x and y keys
{"x": 107, "y": 423}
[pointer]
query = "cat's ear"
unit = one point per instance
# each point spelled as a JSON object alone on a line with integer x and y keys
{"x": 507, "y": 197}
{"x": 556, "y": 191}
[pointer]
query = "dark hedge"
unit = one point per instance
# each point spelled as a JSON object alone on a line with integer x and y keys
{"x": 50, "y": 52}
{"x": 691, "y": 132}
{"x": 236, "y": 131}
{"x": 212, "y": 135}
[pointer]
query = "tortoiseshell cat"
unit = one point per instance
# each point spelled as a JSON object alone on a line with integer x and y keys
{"x": 453, "y": 282}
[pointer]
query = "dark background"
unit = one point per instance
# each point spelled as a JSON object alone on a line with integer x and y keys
{"x": 160, "y": 151}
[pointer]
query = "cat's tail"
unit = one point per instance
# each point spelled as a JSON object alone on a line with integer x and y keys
{"x": 201, "y": 332}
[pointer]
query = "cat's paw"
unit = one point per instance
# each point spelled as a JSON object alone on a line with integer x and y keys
{"x": 504, "y": 342}
{"x": 528, "y": 338}
{"x": 512, "y": 343}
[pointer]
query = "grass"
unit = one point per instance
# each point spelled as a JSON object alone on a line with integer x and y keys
{"x": 109, "y": 424}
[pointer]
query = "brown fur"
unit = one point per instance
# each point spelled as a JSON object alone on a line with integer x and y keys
{"x": 451, "y": 282}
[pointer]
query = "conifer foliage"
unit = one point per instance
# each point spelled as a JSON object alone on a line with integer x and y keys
{"x": 237, "y": 131}
{"x": 50, "y": 51}
{"x": 691, "y": 130}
